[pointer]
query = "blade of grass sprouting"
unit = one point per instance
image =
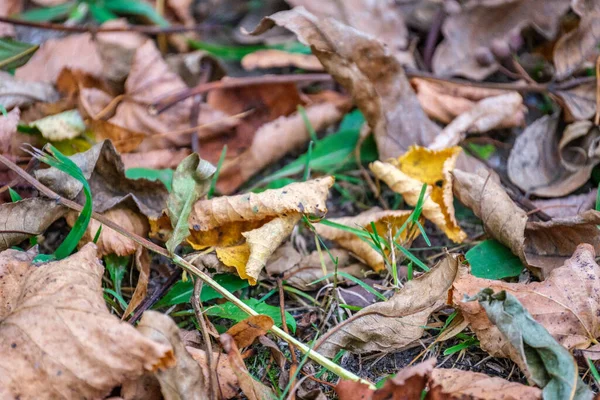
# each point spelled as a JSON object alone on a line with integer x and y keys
{"x": 355, "y": 280}
{"x": 3, "y": 110}
{"x": 419, "y": 206}
{"x": 409, "y": 271}
{"x": 412, "y": 257}
{"x": 300, "y": 293}
{"x": 423, "y": 233}
{"x": 598, "y": 199}
{"x": 14, "y": 196}
{"x": 213, "y": 183}
{"x": 117, "y": 296}
{"x": 594, "y": 371}
{"x": 351, "y": 308}
{"x": 307, "y": 164}
{"x": 346, "y": 228}
{"x": 97, "y": 235}
{"x": 307, "y": 124}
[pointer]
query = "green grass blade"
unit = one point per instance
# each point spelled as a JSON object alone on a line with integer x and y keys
{"x": 14, "y": 196}
{"x": 412, "y": 257}
{"x": 307, "y": 124}
{"x": 355, "y": 280}
{"x": 307, "y": 165}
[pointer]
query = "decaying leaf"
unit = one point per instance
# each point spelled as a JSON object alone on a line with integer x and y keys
{"x": 186, "y": 379}
{"x": 579, "y": 101}
{"x": 264, "y": 59}
{"x": 142, "y": 262}
{"x": 191, "y": 181}
{"x": 541, "y": 246}
{"x": 393, "y": 324}
{"x": 581, "y": 44}
{"x": 487, "y": 114}
{"x": 17, "y": 93}
{"x": 25, "y": 218}
{"x": 387, "y": 224}
{"x": 544, "y": 164}
{"x": 228, "y": 381}
{"x": 8, "y": 128}
{"x": 7, "y": 8}
{"x": 565, "y": 303}
{"x": 548, "y": 364}
{"x": 371, "y": 74}
{"x": 155, "y": 159}
{"x": 419, "y": 166}
{"x": 248, "y": 228}
{"x": 469, "y": 34}
{"x": 245, "y": 332}
{"x": 274, "y": 140}
{"x": 57, "y": 339}
{"x": 569, "y": 206}
{"x": 63, "y": 126}
{"x": 124, "y": 140}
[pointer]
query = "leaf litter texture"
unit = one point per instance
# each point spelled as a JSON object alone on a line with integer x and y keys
{"x": 57, "y": 338}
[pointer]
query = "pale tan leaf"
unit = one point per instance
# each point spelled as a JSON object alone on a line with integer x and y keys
{"x": 8, "y": 129}
{"x": 117, "y": 49}
{"x": 264, "y": 59}
{"x": 21, "y": 92}
{"x": 228, "y": 381}
{"x": 142, "y": 262}
{"x": 469, "y": 34}
{"x": 371, "y": 74}
{"x": 58, "y": 340}
{"x": 390, "y": 325}
{"x": 155, "y": 159}
{"x": 9, "y": 7}
{"x": 565, "y": 303}
{"x": 185, "y": 380}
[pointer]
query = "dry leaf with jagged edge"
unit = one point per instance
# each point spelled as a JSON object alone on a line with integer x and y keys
{"x": 419, "y": 165}
{"x": 245, "y": 332}
{"x": 391, "y": 325}
{"x": 246, "y": 229}
{"x": 387, "y": 224}
{"x": 566, "y": 303}
{"x": 57, "y": 336}
{"x": 541, "y": 246}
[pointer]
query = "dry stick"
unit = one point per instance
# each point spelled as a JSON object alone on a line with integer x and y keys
{"x": 212, "y": 378}
{"x": 192, "y": 269}
{"x": 294, "y": 365}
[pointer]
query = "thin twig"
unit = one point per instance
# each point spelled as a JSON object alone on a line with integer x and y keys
{"x": 212, "y": 378}
{"x": 156, "y": 295}
{"x": 294, "y": 365}
{"x": 192, "y": 269}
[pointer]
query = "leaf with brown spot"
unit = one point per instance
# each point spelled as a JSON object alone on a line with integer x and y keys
{"x": 245, "y": 332}
{"x": 369, "y": 71}
{"x": 541, "y": 246}
{"x": 57, "y": 338}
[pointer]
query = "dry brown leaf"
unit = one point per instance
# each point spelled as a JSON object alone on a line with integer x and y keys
{"x": 124, "y": 140}
{"x": 74, "y": 52}
{"x": 565, "y": 303}
{"x": 142, "y": 262}
{"x": 387, "y": 224}
{"x": 19, "y": 92}
{"x": 245, "y": 332}
{"x": 541, "y": 246}
{"x": 371, "y": 74}
{"x": 581, "y": 44}
{"x": 146, "y": 387}
{"x": 567, "y": 206}
{"x": 487, "y": 114}
{"x": 419, "y": 166}
{"x": 58, "y": 340}
{"x": 444, "y": 101}
{"x": 191, "y": 67}
{"x": 469, "y": 34}
{"x": 186, "y": 379}
{"x": 9, "y": 7}
{"x": 264, "y": 59}
{"x": 542, "y": 164}
{"x": 155, "y": 159}
{"x": 8, "y": 128}
{"x": 253, "y": 389}
{"x": 579, "y": 101}
{"x": 390, "y": 325}
{"x": 248, "y": 228}
{"x": 228, "y": 381}
{"x": 183, "y": 10}
{"x": 272, "y": 141}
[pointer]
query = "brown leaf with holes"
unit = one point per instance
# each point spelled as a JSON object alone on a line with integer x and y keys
{"x": 566, "y": 303}
{"x": 370, "y": 72}
{"x": 245, "y": 332}
{"x": 390, "y": 325}
{"x": 470, "y": 34}
{"x": 541, "y": 246}
{"x": 57, "y": 339}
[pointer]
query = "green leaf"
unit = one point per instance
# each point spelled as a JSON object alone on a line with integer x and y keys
{"x": 137, "y": 8}
{"x": 181, "y": 292}
{"x": 163, "y": 175}
{"x": 59, "y": 127}
{"x": 550, "y": 365}
{"x": 232, "y": 312}
{"x": 483, "y": 151}
{"x": 13, "y": 54}
{"x": 190, "y": 182}
{"x": 490, "y": 259}
{"x": 463, "y": 345}
{"x": 355, "y": 280}
{"x": 101, "y": 14}
{"x": 236, "y": 53}
{"x": 117, "y": 267}
{"x": 53, "y": 13}
{"x": 14, "y": 196}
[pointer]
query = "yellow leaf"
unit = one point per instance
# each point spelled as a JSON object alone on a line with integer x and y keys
{"x": 387, "y": 223}
{"x": 420, "y": 165}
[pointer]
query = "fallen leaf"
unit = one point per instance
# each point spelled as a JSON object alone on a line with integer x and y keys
{"x": 155, "y": 159}
{"x": 369, "y": 72}
{"x": 25, "y": 218}
{"x": 185, "y": 380}
{"x": 146, "y": 387}
{"x": 246, "y": 229}
{"x": 8, "y": 129}
{"x": 228, "y": 381}
{"x": 64, "y": 126}
{"x": 579, "y": 102}
{"x": 274, "y": 140}
{"x": 565, "y": 304}
{"x": 191, "y": 67}
{"x": 252, "y": 388}
{"x": 74, "y": 52}
{"x": 245, "y": 332}
{"x": 142, "y": 262}
{"x": 183, "y": 11}
{"x": 581, "y": 44}
{"x": 9, "y": 7}
{"x": 419, "y": 166}
{"x": 191, "y": 181}
{"x": 125, "y": 141}
{"x": 549, "y": 365}
{"x": 265, "y": 59}
{"x": 390, "y": 325}
{"x": 18, "y": 93}
{"x": 57, "y": 339}
{"x": 387, "y": 224}
{"x": 486, "y": 115}
{"x": 567, "y": 206}
{"x": 470, "y": 33}
{"x": 541, "y": 246}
